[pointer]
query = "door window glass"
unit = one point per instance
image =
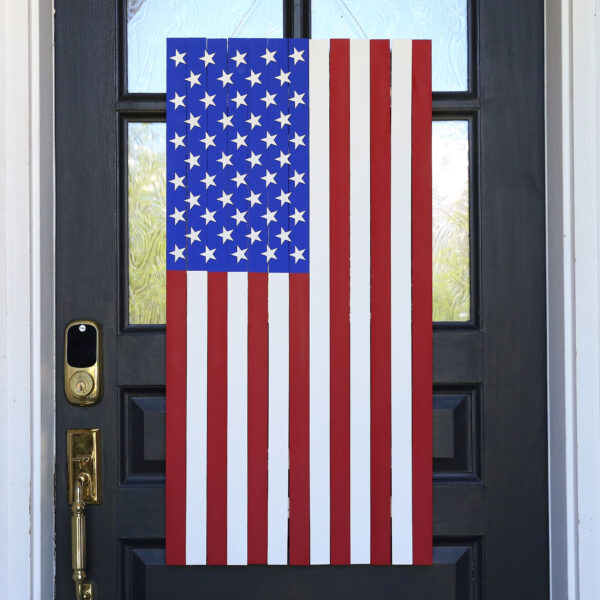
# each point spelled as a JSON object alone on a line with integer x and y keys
{"x": 146, "y": 221}
{"x": 451, "y": 254}
{"x": 442, "y": 21}
{"x": 146, "y": 210}
{"x": 150, "y": 22}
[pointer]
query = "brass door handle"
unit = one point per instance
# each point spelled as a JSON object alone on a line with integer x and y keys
{"x": 83, "y": 462}
{"x": 84, "y": 590}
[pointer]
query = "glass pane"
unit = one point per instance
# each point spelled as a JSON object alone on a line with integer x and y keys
{"x": 150, "y": 22}
{"x": 146, "y": 209}
{"x": 443, "y": 21}
{"x": 451, "y": 273}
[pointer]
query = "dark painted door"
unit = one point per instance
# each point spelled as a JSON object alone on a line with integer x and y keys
{"x": 489, "y": 396}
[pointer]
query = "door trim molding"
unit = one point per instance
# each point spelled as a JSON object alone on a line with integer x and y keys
{"x": 26, "y": 300}
{"x": 573, "y": 255}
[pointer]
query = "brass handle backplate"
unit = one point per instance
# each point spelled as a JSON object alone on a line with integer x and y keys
{"x": 84, "y": 477}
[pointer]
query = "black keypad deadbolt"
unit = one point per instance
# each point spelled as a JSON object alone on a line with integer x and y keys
{"x": 82, "y": 362}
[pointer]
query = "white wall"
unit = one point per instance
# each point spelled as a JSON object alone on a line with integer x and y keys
{"x": 26, "y": 300}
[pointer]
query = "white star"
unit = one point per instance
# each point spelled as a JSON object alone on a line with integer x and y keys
{"x": 239, "y": 99}
{"x": 269, "y": 56}
{"x": 240, "y": 254}
{"x": 239, "y": 216}
{"x": 209, "y": 180}
{"x": 225, "y": 235}
{"x": 284, "y": 197}
{"x": 177, "y": 181}
{"x": 270, "y": 216}
{"x": 240, "y": 140}
{"x": 269, "y": 139}
{"x": 192, "y": 160}
{"x": 225, "y": 78}
{"x": 178, "y": 252}
{"x": 297, "y": 254}
{"x": 192, "y": 121}
{"x": 283, "y": 119}
{"x": 225, "y": 199}
{"x": 284, "y": 159}
{"x": 240, "y": 178}
{"x": 268, "y": 178}
{"x": 209, "y": 216}
{"x": 253, "y": 235}
{"x": 207, "y": 58}
{"x": 193, "y": 235}
{"x": 178, "y": 141}
{"x": 298, "y": 140}
{"x": 284, "y": 236}
{"x": 177, "y": 101}
{"x": 297, "y": 216}
{"x": 178, "y": 215}
{"x": 193, "y": 200}
{"x": 208, "y": 253}
{"x": 209, "y": 140}
{"x": 253, "y": 198}
{"x": 269, "y": 253}
{"x": 297, "y": 178}
{"x": 268, "y": 99}
{"x": 225, "y": 120}
{"x": 179, "y": 58}
{"x": 297, "y": 55}
{"x": 254, "y": 121}
{"x": 238, "y": 58}
{"x": 297, "y": 99}
{"x": 225, "y": 159}
{"x": 208, "y": 100}
{"x": 193, "y": 79}
{"x": 254, "y": 159}
{"x": 253, "y": 78}
{"x": 283, "y": 77}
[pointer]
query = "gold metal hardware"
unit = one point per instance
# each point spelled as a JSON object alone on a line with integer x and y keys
{"x": 85, "y": 487}
{"x": 83, "y": 385}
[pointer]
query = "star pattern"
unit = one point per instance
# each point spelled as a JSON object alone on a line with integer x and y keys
{"x": 237, "y": 158}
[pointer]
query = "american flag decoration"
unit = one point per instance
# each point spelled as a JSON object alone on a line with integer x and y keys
{"x": 299, "y": 339}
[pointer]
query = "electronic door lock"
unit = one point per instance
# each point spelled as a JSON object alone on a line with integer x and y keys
{"x": 82, "y": 363}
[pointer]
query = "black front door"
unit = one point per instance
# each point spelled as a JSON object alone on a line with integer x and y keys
{"x": 489, "y": 398}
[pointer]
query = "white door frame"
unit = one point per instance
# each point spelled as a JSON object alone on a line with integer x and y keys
{"x": 27, "y": 298}
{"x": 573, "y": 256}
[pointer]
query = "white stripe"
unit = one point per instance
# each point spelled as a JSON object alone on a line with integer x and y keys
{"x": 237, "y": 418}
{"x": 360, "y": 289}
{"x": 279, "y": 378}
{"x": 401, "y": 318}
{"x": 195, "y": 489}
{"x": 319, "y": 302}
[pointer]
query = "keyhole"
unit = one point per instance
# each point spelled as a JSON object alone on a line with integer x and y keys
{"x": 81, "y": 386}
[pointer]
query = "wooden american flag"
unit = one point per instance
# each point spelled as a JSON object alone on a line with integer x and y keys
{"x": 299, "y": 339}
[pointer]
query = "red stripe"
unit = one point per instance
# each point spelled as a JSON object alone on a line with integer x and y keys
{"x": 339, "y": 163}
{"x": 176, "y": 352}
{"x": 421, "y": 318}
{"x": 380, "y": 304}
{"x": 216, "y": 417}
{"x": 258, "y": 416}
{"x": 299, "y": 542}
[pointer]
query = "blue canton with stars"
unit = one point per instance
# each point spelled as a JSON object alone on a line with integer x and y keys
{"x": 237, "y": 155}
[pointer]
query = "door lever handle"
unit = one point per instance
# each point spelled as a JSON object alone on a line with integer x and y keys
{"x": 84, "y": 478}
